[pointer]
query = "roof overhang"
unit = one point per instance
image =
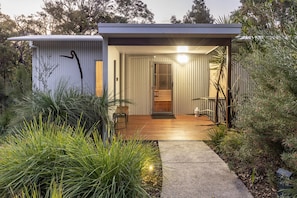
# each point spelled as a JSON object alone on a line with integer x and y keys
{"x": 169, "y": 34}
{"x": 57, "y": 38}
{"x": 169, "y": 30}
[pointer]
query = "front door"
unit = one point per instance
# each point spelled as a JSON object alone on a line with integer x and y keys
{"x": 162, "y": 89}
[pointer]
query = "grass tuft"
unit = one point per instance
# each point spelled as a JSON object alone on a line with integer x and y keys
{"x": 47, "y": 160}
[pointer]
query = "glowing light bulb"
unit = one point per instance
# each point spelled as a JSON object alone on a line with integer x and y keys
{"x": 182, "y": 58}
{"x": 151, "y": 168}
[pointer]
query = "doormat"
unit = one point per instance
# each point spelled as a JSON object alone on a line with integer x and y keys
{"x": 163, "y": 116}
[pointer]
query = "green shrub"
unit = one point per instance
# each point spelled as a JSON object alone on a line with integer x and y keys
{"x": 290, "y": 154}
{"x": 270, "y": 114}
{"x": 5, "y": 119}
{"x": 41, "y": 153}
{"x": 231, "y": 143}
{"x": 290, "y": 158}
{"x": 217, "y": 134}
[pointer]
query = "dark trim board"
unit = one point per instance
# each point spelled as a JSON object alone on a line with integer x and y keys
{"x": 169, "y": 41}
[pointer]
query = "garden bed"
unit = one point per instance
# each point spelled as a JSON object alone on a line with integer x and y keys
{"x": 258, "y": 182}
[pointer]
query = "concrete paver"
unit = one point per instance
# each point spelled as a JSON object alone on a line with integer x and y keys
{"x": 192, "y": 169}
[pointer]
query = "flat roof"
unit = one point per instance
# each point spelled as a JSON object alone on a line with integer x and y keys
{"x": 111, "y": 30}
{"x": 123, "y": 30}
{"x": 57, "y": 38}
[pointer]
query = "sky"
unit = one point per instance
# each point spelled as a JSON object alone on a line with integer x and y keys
{"x": 163, "y": 9}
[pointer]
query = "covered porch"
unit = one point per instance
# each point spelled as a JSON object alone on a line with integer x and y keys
{"x": 141, "y": 64}
{"x": 183, "y": 127}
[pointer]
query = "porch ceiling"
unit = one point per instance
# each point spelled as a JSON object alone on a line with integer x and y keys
{"x": 164, "y": 38}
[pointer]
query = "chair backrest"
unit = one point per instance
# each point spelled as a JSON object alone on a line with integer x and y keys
{"x": 122, "y": 109}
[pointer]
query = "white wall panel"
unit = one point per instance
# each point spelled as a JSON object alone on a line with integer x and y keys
{"x": 49, "y": 55}
{"x": 138, "y": 85}
{"x": 113, "y": 72}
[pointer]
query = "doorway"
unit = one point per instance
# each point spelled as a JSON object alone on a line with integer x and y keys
{"x": 162, "y": 89}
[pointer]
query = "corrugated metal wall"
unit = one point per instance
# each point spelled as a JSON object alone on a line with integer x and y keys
{"x": 190, "y": 81}
{"x": 241, "y": 81}
{"x": 48, "y": 55}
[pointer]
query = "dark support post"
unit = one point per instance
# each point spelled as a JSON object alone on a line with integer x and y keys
{"x": 228, "y": 95}
{"x": 104, "y": 132}
{"x": 105, "y": 63}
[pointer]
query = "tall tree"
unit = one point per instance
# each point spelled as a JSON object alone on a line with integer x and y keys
{"x": 32, "y": 24}
{"x": 255, "y": 15}
{"x": 198, "y": 14}
{"x": 82, "y": 16}
{"x": 8, "y": 54}
{"x": 15, "y": 60}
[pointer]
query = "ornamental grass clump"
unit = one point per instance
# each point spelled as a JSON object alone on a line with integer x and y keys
{"x": 43, "y": 154}
{"x": 67, "y": 105}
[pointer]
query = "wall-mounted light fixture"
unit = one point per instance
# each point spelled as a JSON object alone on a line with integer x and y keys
{"x": 182, "y": 57}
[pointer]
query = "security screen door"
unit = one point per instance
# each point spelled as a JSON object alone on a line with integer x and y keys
{"x": 162, "y": 88}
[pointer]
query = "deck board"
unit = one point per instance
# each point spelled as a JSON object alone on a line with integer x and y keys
{"x": 184, "y": 127}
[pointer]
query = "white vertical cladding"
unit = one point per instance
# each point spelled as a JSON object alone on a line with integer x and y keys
{"x": 138, "y": 85}
{"x": 241, "y": 82}
{"x": 190, "y": 81}
{"x": 113, "y": 73}
{"x": 66, "y": 69}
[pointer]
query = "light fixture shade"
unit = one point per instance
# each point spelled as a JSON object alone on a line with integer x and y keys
{"x": 182, "y": 58}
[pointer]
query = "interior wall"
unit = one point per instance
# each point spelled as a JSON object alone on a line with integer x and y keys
{"x": 190, "y": 81}
{"x": 214, "y": 75}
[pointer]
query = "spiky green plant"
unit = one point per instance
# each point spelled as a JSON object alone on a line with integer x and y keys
{"x": 41, "y": 153}
{"x": 217, "y": 134}
{"x": 69, "y": 106}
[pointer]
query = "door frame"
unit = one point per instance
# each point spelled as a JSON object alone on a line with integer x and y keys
{"x": 152, "y": 88}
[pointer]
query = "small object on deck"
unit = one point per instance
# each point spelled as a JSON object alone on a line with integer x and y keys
{"x": 196, "y": 112}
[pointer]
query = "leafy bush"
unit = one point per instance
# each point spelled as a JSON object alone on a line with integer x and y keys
{"x": 43, "y": 154}
{"x": 290, "y": 159}
{"x": 290, "y": 154}
{"x": 217, "y": 134}
{"x": 270, "y": 115}
{"x": 232, "y": 143}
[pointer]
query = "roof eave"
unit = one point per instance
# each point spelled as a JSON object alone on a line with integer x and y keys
{"x": 173, "y": 30}
{"x": 46, "y": 38}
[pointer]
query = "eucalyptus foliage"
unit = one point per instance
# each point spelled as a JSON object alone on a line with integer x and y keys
{"x": 198, "y": 14}
{"x": 270, "y": 113}
{"x": 43, "y": 158}
{"x": 83, "y": 16}
{"x": 255, "y": 15}
{"x": 271, "y": 110}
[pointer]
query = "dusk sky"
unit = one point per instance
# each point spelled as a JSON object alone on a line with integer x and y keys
{"x": 163, "y": 9}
